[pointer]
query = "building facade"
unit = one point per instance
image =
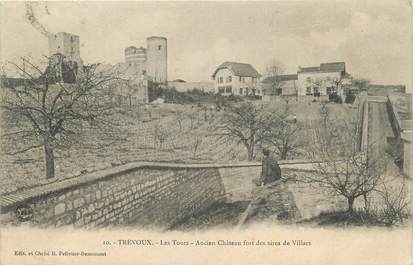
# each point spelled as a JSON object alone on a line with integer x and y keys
{"x": 281, "y": 85}
{"x": 322, "y": 80}
{"x": 152, "y": 59}
{"x": 232, "y": 78}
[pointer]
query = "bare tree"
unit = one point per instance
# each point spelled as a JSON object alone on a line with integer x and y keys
{"x": 197, "y": 143}
{"x": 193, "y": 118}
{"x": 161, "y": 135}
{"x": 179, "y": 115}
{"x": 55, "y": 112}
{"x": 344, "y": 171}
{"x": 324, "y": 113}
{"x": 396, "y": 201}
{"x": 247, "y": 123}
{"x": 274, "y": 69}
{"x": 284, "y": 134}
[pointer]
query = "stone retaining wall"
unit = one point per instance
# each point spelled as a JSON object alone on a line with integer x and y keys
{"x": 157, "y": 197}
{"x": 140, "y": 194}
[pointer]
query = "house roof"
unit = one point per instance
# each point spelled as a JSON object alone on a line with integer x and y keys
{"x": 279, "y": 78}
{"x": 325, "y": 67}
{"x": 333, "y": 67}
{"x": 308, "y": 69}
{"x": 238, "y": 69}
{"x": 130, "y": 48}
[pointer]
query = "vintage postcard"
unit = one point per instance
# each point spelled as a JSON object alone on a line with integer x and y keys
{"x": 216, "y": 133}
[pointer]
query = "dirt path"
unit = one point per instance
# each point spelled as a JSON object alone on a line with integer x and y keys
{"x": 379, "y": 128}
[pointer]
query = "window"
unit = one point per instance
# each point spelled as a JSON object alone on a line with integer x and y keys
{"x": 242, "y": 79}
{"x": 229, "y": 79}
{"x": 220, "y": 80}
{"x": 308, "y": 79}
{"x": 159, "y": 47}
{"x": 228, "y": 89}
{"x": 240, "y": 90}
{"x": 330, "y": 90}
{"x": 221, "y": 90}
{"x": 308, "y": 91}
{"x": 316, "y": 92}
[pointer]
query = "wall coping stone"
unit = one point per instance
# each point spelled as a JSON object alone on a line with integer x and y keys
{"x": 13, "y": 199}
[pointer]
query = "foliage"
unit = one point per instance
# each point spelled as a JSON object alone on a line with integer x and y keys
{"x": 350, "y": 97}
{"x": 334, "y": 97}
{"x": 361, "y": 84}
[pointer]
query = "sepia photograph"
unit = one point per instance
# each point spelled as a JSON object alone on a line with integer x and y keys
{"x": 145, "y": 132}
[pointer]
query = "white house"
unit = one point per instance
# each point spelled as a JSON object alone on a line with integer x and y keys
{"x": 232, "y": 78}
{"x": 323, "y": 80}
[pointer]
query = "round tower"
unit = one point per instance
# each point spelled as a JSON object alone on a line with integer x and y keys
{"x": 135, "y": 56}
{"x": 156, "y": 64}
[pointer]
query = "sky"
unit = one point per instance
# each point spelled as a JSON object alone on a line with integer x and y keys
{"x": 373, "y": 38}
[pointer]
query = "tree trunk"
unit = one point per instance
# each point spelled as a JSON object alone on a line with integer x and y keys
{"x": 366, "y": 203}
{"x": 284, "y": 154}
{"x": 350, "y": 204}
{"x": 250, "y": 152}
{"x": 49, "y": 155}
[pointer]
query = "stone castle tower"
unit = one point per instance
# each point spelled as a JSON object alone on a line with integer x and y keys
{"x": 152, "y": 60}
{"x": 66, "y": 44}
{"x": 157, "y": 58}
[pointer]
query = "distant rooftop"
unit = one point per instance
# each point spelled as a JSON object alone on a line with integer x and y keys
{"x": 324, "y": 67}
{"x": 156, "y": 37}
{"x": 280, "y": 78}
{"x": 238, "y": 69}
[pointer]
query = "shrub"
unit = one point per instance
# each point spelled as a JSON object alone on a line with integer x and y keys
{"x": 350, "y": 97}
{"x": 333, "y": 97}
{"x": 234, "y": 98}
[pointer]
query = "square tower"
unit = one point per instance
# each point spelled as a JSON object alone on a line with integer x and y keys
{"x": 66, "y": 44}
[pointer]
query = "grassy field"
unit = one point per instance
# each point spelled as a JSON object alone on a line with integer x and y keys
{"x": 188, "y": 134}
